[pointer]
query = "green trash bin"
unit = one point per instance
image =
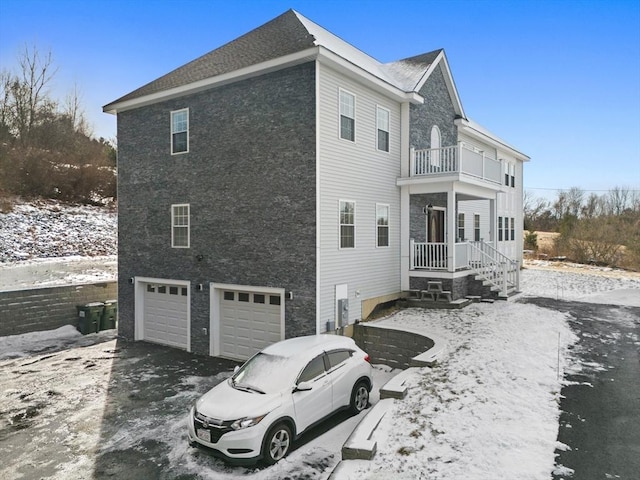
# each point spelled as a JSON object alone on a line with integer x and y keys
{"x": 109, "y": 315}
{"x": 89, "y": 317}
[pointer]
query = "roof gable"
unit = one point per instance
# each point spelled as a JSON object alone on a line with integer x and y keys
{"x": 289, "y": 36}
{"x": 279, "y": 37}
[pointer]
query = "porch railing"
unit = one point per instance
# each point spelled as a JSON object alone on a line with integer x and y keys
{"x": 455, "y": 159}
{"x": 432, "y": 256}
{"x": 482, "y": 258}
{"x": 494, "y": 267}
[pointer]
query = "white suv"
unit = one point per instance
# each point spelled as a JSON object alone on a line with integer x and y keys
{"x": 278, "y": 394}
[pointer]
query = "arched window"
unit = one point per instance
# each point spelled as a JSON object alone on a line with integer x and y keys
{"x": 435, "y": 137}
{"x": 435, "y": 144}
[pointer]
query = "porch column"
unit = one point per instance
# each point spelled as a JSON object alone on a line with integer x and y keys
{"x": 405, "y": 265}
{"x": 493, "y": 205}
{"x": 451, "y": 230}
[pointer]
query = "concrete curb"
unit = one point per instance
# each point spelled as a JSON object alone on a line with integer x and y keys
{"x": 361, "y": 444}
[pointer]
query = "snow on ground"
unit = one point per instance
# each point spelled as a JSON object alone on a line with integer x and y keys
{"x": 49, "y": 272}
{"x": 489, "y": 410}
{"x": 583, "y": 283}
{"x": 47, "y": 229}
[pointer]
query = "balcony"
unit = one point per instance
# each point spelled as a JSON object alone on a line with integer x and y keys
{"x": 459, "y": 161}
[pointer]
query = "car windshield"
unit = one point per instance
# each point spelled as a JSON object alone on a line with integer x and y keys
{"x": 266, "y": 374}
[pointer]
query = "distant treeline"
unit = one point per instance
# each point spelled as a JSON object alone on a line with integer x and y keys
{"x": 601, "y": 229}
{"x": 46, "y": 146}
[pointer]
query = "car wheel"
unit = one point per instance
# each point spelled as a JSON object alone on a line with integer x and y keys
{"x": 359, "y": 397}
{"x": 277, "y": 444}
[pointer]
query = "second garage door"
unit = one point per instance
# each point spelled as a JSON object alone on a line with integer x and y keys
{"x": 166, "y": 314}
{"x": 249, "y": 322}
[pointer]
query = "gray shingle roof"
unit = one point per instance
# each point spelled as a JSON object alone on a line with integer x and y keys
{"x": 410, "y": 71}
{"x": 281, "y": 36}
{"x": 286, "y": 34}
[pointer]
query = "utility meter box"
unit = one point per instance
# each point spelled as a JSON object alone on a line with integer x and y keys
{"x": 343, "y": 312}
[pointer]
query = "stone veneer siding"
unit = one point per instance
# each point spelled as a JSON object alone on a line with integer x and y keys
{"x": 390, "y": 347}
{"x": 417, "y": 218}
{"x": 47, "y": 308}
{"x": 249, "y": 178}
{"x": 459, "y": 286}
{"x": 437, "y": 109}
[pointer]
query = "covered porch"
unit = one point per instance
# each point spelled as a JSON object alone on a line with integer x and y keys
{"x": 449, "y": 228}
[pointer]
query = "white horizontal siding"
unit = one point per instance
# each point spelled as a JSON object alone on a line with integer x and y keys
{"x": 472, "y": 143}
{"x": 471, "y": 208}
{"x": 358, "y": 172}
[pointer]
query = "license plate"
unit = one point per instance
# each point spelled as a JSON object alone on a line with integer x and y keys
{"x": 204, "y": 435}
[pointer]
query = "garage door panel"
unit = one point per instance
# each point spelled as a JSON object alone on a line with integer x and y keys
{"x": 249, "y": 322}
{"x": 165, "y": 315}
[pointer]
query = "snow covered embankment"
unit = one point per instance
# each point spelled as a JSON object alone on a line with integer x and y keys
{"x": 47, "y": 244}
{"x": 51, "y": 229}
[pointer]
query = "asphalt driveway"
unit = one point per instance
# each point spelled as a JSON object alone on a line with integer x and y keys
{"x": 105, "y": 408}
{"x": 82, "y": 412}
{"x": 599, "y": 430}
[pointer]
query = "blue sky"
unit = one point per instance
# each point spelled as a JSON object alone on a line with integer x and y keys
{"x": 560, "y": 80}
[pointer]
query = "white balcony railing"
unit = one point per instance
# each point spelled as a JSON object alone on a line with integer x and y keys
{"x": 455, "y": 159}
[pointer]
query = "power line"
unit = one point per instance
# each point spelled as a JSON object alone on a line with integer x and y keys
{"x": 582, "y": 189}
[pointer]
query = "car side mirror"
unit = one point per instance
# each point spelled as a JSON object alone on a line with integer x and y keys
{"x": 236, "y": 368}
{"x": 303, "y": 387}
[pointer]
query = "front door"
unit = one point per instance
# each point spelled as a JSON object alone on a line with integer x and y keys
{"x": 436, "y": 246}
{"x": 435, "y": 225}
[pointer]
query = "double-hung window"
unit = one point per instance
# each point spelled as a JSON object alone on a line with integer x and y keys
{"x": 382, "y": 225}
{"x": 513, "y": 228}
{"x": 476, "y": 227}
{"x": 347, "y": 224}
{"x": 180, "y": 235}
{"x": 347, "y": 116}
{"x": 382, "y": 121}
{"x": 500, "y": 229}
{"x": 180, "y": 131}
{"x": 461, "y": 227}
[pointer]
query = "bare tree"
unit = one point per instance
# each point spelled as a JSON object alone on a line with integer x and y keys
{"x": 73, "y": 109}
{"x": 574, "y": 201}
{"x": 618, "y": 199}
{"x": 28, "y": 91}
{"x": 592, "y": 207}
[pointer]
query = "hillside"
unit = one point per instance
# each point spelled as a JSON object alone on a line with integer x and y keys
{"x": 46, "y": 229}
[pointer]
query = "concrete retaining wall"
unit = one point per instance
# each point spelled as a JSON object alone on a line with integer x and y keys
{"x": 395, "y": 348}
{"x": 24, "y": 311}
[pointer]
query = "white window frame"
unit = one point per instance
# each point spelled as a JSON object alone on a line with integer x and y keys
{"x": 379, "y": 128}
{"x": 340, "y": 224}
{"x": 174, "y": 225}
{"x": 461, "y": 228}
{"x": 387, "y": 226}
{"x": 173, "y": 132}
{"x": 477, "y": 232}
{"x": 340, "y": 114}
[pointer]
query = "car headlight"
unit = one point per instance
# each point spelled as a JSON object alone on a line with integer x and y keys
{"x": 247, "y": 422}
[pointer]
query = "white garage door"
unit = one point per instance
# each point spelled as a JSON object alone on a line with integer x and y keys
{"x": 249, "y": 322}
{"x": 166, "y": 314}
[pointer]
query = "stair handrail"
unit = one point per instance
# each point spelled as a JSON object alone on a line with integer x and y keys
{"x": 493, "y": 266}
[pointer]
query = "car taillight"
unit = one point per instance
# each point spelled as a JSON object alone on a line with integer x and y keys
{"x": 367, "y": 358}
